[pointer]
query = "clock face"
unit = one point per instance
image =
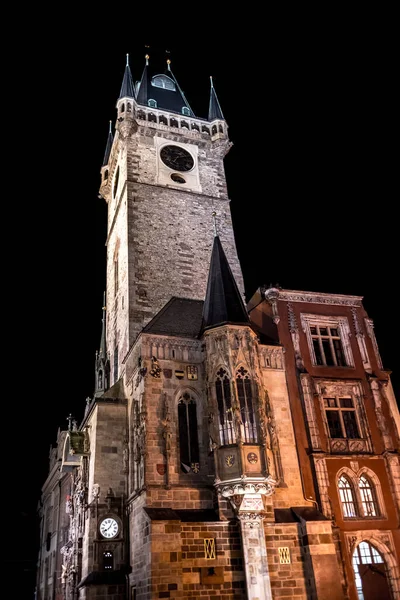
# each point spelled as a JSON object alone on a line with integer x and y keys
{"x": 177, "y": 158}
{"x": 109, "y": 527}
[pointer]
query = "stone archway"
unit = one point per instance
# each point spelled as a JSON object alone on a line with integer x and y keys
{"x": 376, "y": 548}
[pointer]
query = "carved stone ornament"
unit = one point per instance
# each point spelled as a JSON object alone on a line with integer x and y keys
{"x": 155, "y": 370}
{"x": 252, "y": 458}
{"x": 95, "y": 491}
{"x": 266, "y": 488}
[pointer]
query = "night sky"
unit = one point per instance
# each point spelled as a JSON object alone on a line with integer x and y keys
{"x": 311, "y": 175}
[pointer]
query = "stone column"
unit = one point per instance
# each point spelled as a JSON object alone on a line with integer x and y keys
{"x": 255, "y": 556}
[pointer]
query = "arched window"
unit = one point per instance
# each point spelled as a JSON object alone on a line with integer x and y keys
{"x": 369, "y": 502}
{"x": 100, "y": 380}
{"x": 245, "y": 397}
{"x": 188, "y": 436}
{"x": 205, "y": 129}
{"x": 152, "y": 103}
{"x": 223, "y": 390}
{"x": 152, "y": 118}
{"x": 162, "y": 81}
{"x": 347, "y": 497}
{"x": 185, "y": 111}
{"x": 129, "y": 107}
{"x": 108, "y": 561}
{"x": 122, "y": 107}
{"x": 185, "y": 124}
{"x": 221, "y": 129}
{"x": 195, "y": 127}
{"x": 366, "y": 554}
{"x": 214, "y": 130}
{"x": 163, "y": 119}
{"x": 173, "y": 123}
{"x": 141, "y": 115}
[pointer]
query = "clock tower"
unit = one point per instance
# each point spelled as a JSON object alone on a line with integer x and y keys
{"x": 162, "y": 178}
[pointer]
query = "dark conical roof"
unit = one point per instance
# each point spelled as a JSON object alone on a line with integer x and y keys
{"x": 223, "y": 303}
{"x": 214, "y": 109}
{"x": 110, "y": 140}
{"x": 127, "y": 88}
{"x": 163, "y": 88}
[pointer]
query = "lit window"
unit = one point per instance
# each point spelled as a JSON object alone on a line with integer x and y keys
{"x": 245, "y": 396}
{"x": 341, "y": 417}
{"x": 347, "y": 497}
{"x": 162, "y": 81}
{"x": 368, "y": 498}
{"x": 224, "y": 401}
{"x": 188, "y": 436}
{"x": 185, "y": 111}
{"x": 367, "y": 555}
{"x": 152, "y": 103}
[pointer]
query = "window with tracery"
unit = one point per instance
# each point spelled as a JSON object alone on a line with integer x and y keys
{"x": 245, "y": 397}
{"x": 347, "y": 497}
{"x": 369, "y": 502}
{"x": 224, "y": 400}
{"x": 188, "y": 434}
{"x": 364, "y": 554}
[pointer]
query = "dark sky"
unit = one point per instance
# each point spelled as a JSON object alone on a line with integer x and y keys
{"x": 311, "y": 175}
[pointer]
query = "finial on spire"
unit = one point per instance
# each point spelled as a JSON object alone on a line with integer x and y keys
{"x": 169, "y": 64}
{"x": 127, "y": 60}
{"x": 211, "y": 79}
{"x": 69, "y": 419}
{"x": 147, "y": 59}
{"x": 104, "y": 301}
{"x": 214, "y": 215}
{"x": 110, "y": 131}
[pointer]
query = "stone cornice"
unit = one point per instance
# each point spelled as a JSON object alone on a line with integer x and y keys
{"x": 319, "y": 298}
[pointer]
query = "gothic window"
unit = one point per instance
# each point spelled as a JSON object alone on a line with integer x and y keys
{"x": 162, "y": 81}
{"x": 205, "y": 129}
{"x": 185, "y": 111}
{"x": 224, "y": 400}
{"x": 347, "y": 497}
{"x": 152, "y": 118}
{"x": 188, "y": 436}
{"x": 195, "y": 127}
{"x": 185, "y": 124}
{"x": 116, "y": 179}
{"x": 368, "y": 498}
{"x": 366, "y": 554}
{"x": 152, "y": 103}
{"x": 329, "y": 340}
{"x": 341, "y": 417}
{"x": 245, "y": 397}
{"x": 173, "y": 123}
{"x": 141, "y": 115}
{"x": 163, "y": 119}
{"x": 221, "y": 129}
{"x": 100, "y": 380}
{"x": 122, "y": 107}
{"x": 129, "y": 107}
{"x": 108, "y": 561}
{"x": 214, "y": 130}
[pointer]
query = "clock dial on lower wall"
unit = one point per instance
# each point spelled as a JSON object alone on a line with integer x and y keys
{"x": 108, "y": 527}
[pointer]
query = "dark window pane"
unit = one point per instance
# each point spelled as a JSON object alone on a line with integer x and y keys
{"x": 227, "y": 396}
{"x": 317, "y": 352}
{"x": 249, "y": 399}
{"x": 220, "y": 401}
{"x": 313, "y": 330}
{"x": 323, "y": 331}
{"x": 337, "y": 344}
{"x": 241, "y": 396}
{"x": 194, "y": 442}
{"x": 335, "y": 428}
{"x": 328, "y": 353}
{"x": 346, "y": 402}
{"x": 350, "y": 424}
{"x": 183, "y": 434}
{"x": 334, "y": 331}
{"x": 331, "y": 402}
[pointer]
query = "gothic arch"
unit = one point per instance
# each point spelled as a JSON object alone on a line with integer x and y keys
{"x": 372, "y": 476}
{"x": 381, "y": 542}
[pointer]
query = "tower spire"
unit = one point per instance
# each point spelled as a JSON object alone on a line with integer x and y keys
{"x": 214, "y": 109}
{"x": 102, "y": 368}
{"x": 127, "y": 88}
{"x": 110, "y": 140}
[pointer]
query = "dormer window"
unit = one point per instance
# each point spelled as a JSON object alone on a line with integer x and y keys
{"x": 185, "y": 111}
{"x": 162, "y": 81}
{"x": 152, "y": 103}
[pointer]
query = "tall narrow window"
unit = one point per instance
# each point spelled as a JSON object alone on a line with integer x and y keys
{"x": 368, "y": 497}
{"x": 108, "y": 561}
{"x": 115, "y": 364}
{"x": 116, "y": 277}
{"x": 245, "y": 396}
{"x": 223, "y": 390}
{"x": 188, "y": 436}
{"x": 116, "y": 180}
{"x": 346, "y": 494}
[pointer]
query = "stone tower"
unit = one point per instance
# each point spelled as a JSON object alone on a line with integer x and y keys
{"x": 162, "y": 178}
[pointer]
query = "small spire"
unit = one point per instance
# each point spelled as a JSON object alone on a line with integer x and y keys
{"x": 215, "y": 223}
{"x": 109, "y": 144}
{"x": 127, "y": 60}
{"x": 211, "y": 79}
{"x": 127, "y": 88}
{"x": 69, "y": 419}
{"x": 110, "y": 131}
{"x": 214, "y": 109}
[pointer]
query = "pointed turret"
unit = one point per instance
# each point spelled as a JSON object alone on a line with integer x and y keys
{"x": 214, "y": 109}
{"x": 142, "y": 93}
{"x": 102, "y": 364}
{"x": 110, "y": 140}
{"x": 223, "y": 303}
{"x": 127, "y": 87}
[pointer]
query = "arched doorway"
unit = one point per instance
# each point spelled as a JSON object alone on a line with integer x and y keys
{"x": 370, "y": 573}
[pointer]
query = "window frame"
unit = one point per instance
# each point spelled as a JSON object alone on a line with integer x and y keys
{"x": 331, "y": 322}
{"x": 340, "y": 410}
{"x": 186, "y": 398}
{"x": 376, "y": 493}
